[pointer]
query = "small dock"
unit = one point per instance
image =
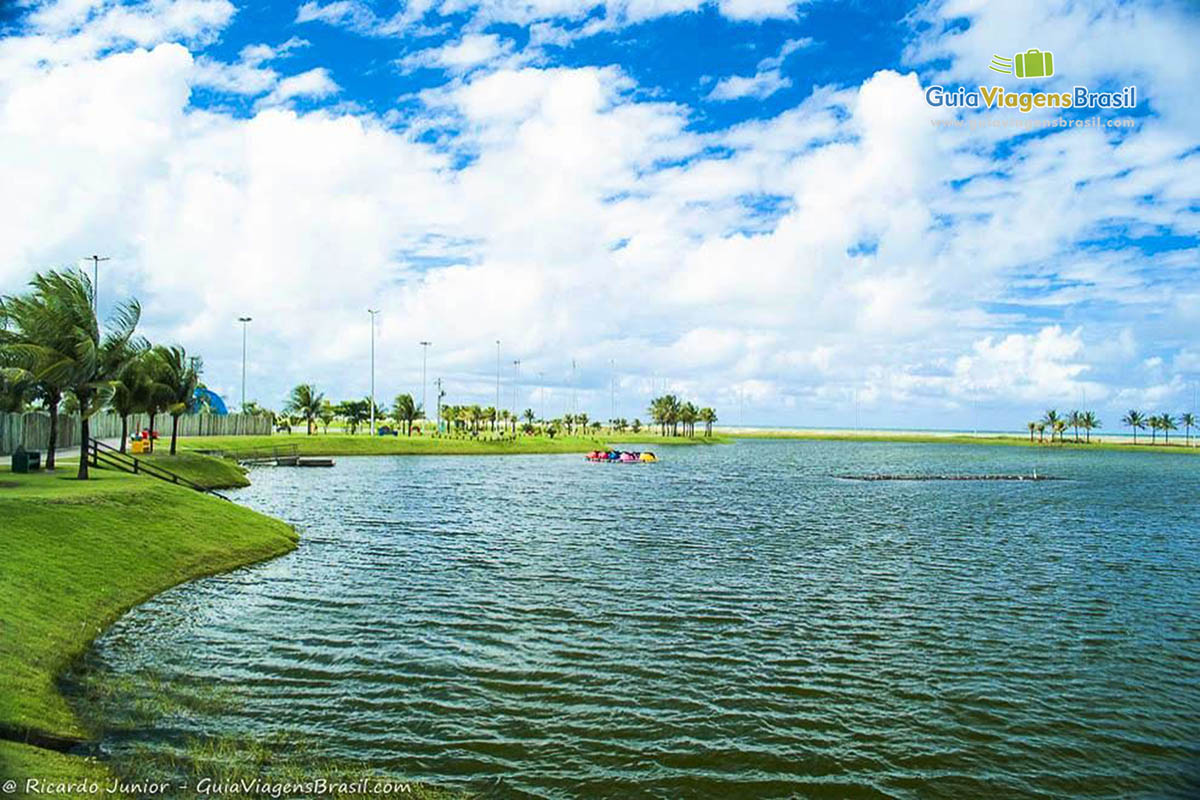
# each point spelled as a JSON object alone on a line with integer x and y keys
{"x": 287, "y": 455}
{"x": 314, "y": 462}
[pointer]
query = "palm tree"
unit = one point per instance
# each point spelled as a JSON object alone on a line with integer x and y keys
{"x": 581, "y": 419}
{"x": 134, "y": 391}
{"x": 354, "y": 412}
{"x": 179, "y": 376}
{"x": 1188, "y": 420}
{"x": 673, "y": 409}
{"x": 688, "y": 414}
{"x": 1051, "y": 419}
{"x": 28, "y": 333}
{"x": 405, "y": 410}
{"x": 708, "y": 416}
{"x": 327, "y": 414}
{"x": 637, "y": 425}
{"x": 1090, "y": 423}
{"x": 1041, "y": 426}
{"x": 1134, "y": 419}
{"x": 1032, "y": 428}
{"x": 305, "y": 401}
{"x": 1166, "y": 423}
{"x": 1155, "y": 425}
{"x": 529, "y": 416}
{"x": 69, "y": 349}
{"x": 1075, "y": 420}
{"x": 1060, "y": 425}
{"x": 477, "y": 416}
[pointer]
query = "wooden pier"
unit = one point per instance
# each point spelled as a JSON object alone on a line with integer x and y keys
{"x": 287, "y": 455}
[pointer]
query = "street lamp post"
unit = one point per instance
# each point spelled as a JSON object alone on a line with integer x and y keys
{"x": 245, "y": 322}
{"x": 96, "y": 282}
{"x": 440, "y": 394}
{"x": 612, "y": 390}
{"x": 424, "y": 361}
{"x": 372, "y": 312}
{"x": 516, "y": 382}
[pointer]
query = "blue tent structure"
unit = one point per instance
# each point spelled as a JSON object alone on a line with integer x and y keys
{"x": 213, "y": 401}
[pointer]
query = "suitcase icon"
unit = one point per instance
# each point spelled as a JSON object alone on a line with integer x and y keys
{"x": 1034, "y": 63}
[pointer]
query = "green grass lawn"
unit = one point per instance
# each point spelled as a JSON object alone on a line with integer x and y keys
{"x": 341, "y": 444}
{"x": 76, "y": 556}
{"x": 209, "y": 472}
{"x": 22, "y": 761}
{"x": 1010, "y": 440}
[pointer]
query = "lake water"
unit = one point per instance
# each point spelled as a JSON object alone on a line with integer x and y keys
{"x": 733, "y": 621}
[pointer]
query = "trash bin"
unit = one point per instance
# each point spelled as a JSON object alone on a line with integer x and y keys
{"x": 26, "y": 460}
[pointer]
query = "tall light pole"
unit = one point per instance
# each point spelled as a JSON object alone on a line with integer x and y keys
{"x": 96, "y": 281}
{"x": 372, "y": 312}
{"x": 424, "y": 360}
{"x": 516, "y": 382}
{"x": 245, "y": 322}
{"x": 440, "y": 395}
{"x": 612, "y": 390}
{"x": 497, "y": 376}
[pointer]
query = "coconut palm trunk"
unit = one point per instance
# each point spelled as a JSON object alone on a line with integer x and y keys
{"x": 85, "y": 434}
{"x": 124, "y": 431}
{"x": 52, "y": 402}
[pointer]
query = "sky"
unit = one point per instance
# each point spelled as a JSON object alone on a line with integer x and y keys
{"x": 749, "y": 203}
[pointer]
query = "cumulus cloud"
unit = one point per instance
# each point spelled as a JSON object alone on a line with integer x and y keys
{"x": 470, "y": 51}
{"x": 361, "y": 17}
{"x": 768, "y": 80}
{"x": 314, "y": 84}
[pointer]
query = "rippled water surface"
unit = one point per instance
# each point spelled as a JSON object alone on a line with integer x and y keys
{"x": 733, "y": 621}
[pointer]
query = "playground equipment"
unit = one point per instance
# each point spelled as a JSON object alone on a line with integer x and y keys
{"x": 211, "y": 399}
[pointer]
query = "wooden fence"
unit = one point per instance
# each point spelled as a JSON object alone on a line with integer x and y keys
{"x": 32, "y": 429}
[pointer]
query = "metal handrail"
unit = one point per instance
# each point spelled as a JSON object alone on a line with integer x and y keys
{"x": 113, "y": 457}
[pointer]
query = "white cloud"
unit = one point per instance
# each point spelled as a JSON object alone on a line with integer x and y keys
{"x": 360, "y": 16}
{"x": 470, "y": 51}
{"x": 757, "y": 10}
{"x": 759, "y": 85}
{"x": 767, "y": 81}
{"x": 248, "y": 76}
{"x": 314, "y": 84}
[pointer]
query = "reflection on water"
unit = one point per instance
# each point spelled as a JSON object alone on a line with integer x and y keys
{"x": 733, "y": 621}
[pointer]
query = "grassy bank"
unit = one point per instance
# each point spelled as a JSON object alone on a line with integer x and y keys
{"x": 77, "y": 555}
{"x": 341, "y": 444}
{"x": 1004, "y": 440}
{"x": 209, "y": 472}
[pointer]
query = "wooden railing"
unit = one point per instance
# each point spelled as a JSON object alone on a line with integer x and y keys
{"x": 104, "y": 455}
{"x": 259, "y": 455}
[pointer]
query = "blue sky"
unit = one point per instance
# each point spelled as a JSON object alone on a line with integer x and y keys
{"x": 748, "y": 202}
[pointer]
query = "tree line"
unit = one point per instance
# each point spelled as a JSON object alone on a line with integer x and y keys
{"x": 54, "y": 352}
{"x": 1087, "y": 421}
{"x": 1164, "y": 422}
{"x": 670, "y": 413}
{"x": 309, "y": 406}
